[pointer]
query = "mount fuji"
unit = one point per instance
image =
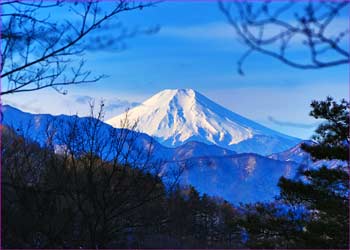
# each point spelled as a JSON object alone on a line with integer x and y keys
{"x": 176, "y": 116}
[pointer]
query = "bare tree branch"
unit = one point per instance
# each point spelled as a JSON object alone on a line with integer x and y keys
{"x": 275, "y": 29}
{"x": 40, "y": 49}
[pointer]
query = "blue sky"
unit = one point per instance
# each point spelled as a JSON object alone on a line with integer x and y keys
{"x": 196, "y": 48}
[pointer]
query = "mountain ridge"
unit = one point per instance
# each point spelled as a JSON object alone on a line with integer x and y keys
{"x": 245, "y": 177}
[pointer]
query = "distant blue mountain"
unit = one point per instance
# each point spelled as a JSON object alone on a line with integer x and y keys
{"x": 211, "y": 169}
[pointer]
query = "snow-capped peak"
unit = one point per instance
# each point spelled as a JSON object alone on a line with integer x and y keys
{"x": 175, "y": 116}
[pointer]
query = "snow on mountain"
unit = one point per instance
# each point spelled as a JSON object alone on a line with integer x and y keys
{"x": 176, "y": 116}
{"x": 236, "y": 178}
{"x": 197, "y": 149}
{"x": 296, "y": 154}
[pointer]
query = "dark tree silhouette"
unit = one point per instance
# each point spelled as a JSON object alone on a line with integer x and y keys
{"x": 332, "y": 136}
{"x": 324, "y": 192}
{"x": 73, "y": 198}
{"x": 272, "y": 225}
{"x": 42, "y": 42}
{"x": 312, "y": 210}
{"x": 87, "y": 186}
{"x": 274, "y": 29}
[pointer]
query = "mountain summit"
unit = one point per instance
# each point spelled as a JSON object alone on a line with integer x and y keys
{"x": 176, "y": 116}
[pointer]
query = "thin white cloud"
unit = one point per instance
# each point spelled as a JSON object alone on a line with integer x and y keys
{"x": 76, "y": 102}
{"x": 218, "y": 30}
{"x": 117, "y": 104}
{"x": 224, "y": 31}
{"x": 292, "y": 124}
{"x": 83, "y": 99}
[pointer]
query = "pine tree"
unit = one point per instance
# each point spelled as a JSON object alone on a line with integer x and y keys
{"x": 324, "y": 192}
{"x": 332, "y": 136}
